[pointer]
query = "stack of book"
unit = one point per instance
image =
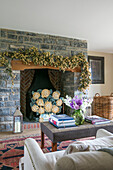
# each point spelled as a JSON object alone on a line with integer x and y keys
{"x": 62, "y": 121}
{"x": 96, "y": 120}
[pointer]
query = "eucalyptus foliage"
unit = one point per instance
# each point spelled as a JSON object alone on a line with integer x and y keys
{"x": 39, "y": 57}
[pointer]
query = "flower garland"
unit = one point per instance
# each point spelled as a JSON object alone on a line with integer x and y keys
{"x": 39, "y": 57}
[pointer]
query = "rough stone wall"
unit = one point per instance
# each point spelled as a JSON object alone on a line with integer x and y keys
{"x": 8, "y": 101}
{"x": 12, "y": 40}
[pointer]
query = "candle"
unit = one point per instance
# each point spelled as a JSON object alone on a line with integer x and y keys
{"x": 17, "y": 127}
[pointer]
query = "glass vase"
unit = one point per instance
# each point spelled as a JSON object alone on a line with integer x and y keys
{"x": 78, "y": 116}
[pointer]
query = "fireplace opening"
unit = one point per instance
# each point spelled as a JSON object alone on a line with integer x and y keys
{"x": 33, "y": 80}
{"x": 40, "y": 81}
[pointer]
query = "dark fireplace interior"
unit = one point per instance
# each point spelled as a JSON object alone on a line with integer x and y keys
{"x": 33, "y": 80}
{"x": 40, "y": 81}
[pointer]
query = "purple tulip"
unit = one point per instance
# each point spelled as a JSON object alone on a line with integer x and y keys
{"x": 72, "y": 105}
{"x": 76, "y": 102}
{"x": 79, "y": 102}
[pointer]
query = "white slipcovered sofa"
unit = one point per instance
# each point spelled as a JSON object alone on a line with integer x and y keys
{"x": 78, "y": 156}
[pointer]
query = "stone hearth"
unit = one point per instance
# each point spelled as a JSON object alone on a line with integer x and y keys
{"x": 12, "y": 40}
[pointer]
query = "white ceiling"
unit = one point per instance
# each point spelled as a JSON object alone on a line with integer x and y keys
{"x": 91, "y": 20}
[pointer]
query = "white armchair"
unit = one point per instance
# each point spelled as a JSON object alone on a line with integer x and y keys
{"x": 35, "y": 159}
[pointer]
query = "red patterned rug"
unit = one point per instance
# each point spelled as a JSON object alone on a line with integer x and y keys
{"x": 11, "y": 150}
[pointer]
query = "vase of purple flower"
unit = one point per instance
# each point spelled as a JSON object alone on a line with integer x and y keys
{"x": 78, "y": 116}
{"x": 79, "y": 104}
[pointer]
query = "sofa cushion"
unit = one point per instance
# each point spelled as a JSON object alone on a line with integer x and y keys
{"x": 53, "y": 157}
{"x": 108, "y": 150}
{"x": 85, "y": 161}
{"x": 89, "y": 145}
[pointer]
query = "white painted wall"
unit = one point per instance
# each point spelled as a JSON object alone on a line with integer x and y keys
{"x": 107, "y": 87}
{"x": 90, "y": 20}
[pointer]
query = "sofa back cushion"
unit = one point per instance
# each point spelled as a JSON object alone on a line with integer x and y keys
{"x": 85, "y": 161}
{"x": 108, "y": 150}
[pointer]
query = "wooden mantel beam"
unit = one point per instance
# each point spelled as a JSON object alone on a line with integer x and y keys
{"x": 18, "y": 65}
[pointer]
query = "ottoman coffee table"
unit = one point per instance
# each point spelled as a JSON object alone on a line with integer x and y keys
{"x": 70, "y": 133}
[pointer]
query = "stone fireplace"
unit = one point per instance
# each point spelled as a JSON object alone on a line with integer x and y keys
{"x": 67, "y": 82}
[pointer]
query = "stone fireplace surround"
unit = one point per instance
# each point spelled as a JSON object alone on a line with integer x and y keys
{"x": 11, "y": 40}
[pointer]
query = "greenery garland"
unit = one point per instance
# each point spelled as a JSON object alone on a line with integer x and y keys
{"x": 39, "y": 57}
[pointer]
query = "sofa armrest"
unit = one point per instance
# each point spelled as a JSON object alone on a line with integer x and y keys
{"x": 85, "y": 161}
{"x": 53, "y": 157}
{"x": 34, "y": 158}
{"x": 102, "y": 133}
{"x": 21, "y": 163}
